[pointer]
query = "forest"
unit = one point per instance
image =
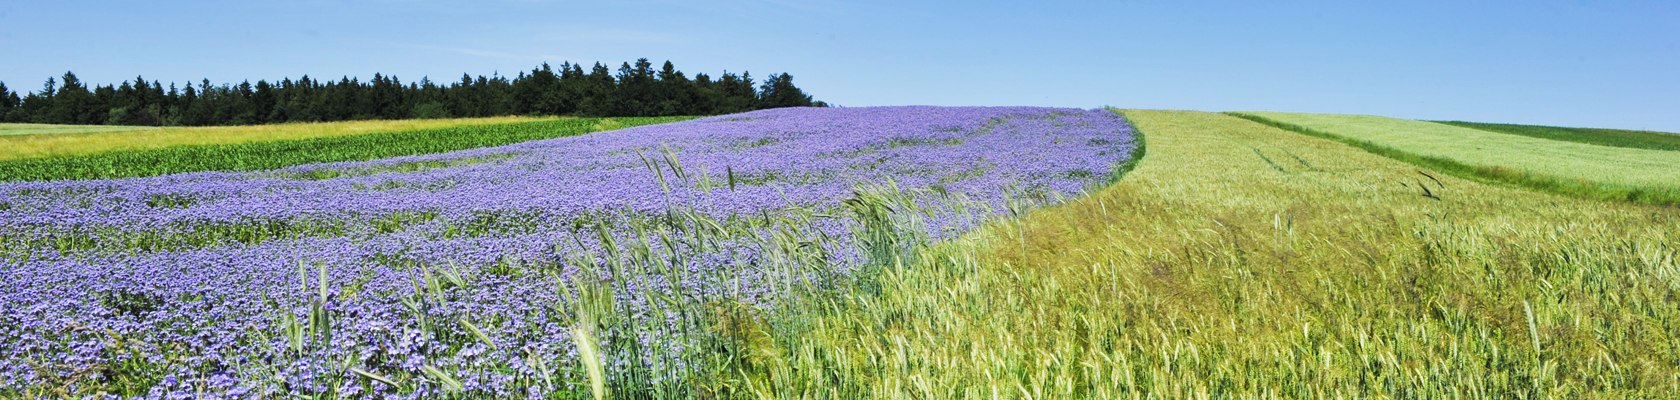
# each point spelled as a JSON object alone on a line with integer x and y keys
{"x": 636, "y": 89}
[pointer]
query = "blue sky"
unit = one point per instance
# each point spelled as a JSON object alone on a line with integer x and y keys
{"x": 1577, "y": 63}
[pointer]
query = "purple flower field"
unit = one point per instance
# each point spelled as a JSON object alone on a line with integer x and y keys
{"x": 468, "y": 272}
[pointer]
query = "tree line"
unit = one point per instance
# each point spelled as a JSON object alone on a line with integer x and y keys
{"x": 636, "y": 89}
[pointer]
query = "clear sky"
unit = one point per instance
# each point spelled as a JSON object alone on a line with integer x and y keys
{"x": 1578, "y": 63}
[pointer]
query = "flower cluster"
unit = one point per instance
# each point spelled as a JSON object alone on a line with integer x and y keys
{"x": 470, "y": 271}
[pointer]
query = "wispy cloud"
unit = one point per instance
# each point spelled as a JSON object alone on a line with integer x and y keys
{"x": 491, "y": 53}
{"x": 584, "y": 35}
{"x": 823, "y": 6}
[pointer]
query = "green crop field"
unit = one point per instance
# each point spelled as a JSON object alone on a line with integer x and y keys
{"x": 33, "y": 140}
{"x": 1229, "y": 256}
{"x": 553, "y": 200}
{"x": 1593, "y": 171}
{"x": 1239, "y": 260}
{"x": 10, "y": 129}
{"x": 1603, "y": 137}
{"x": 294, "y": 144}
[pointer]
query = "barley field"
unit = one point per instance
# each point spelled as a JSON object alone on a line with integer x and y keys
{"x": 1606, "y": 137}
{"x": 1568, "y": 167}
{"x": 1243, "y": 261}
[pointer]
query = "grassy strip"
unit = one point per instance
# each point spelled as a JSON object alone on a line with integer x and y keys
{"x": 8, "y": 129}
{"x": 1573, "y": 186}
{"x": 1603, "y": 137}
{"x": 276, "y": 154}
{"x": 1209, "y": 272}
{"x": 97, "y": 139}
{"x": 1139, "y": 149}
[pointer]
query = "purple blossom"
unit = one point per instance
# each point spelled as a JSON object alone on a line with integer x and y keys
{"x": 197, "y": 274}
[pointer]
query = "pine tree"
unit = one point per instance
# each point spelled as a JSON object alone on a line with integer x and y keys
{"x": 73, "y": 103}
{"x": 8, "y": 102}
{"x": 707, "y": 99}
{"x": 599, "y": 92}
{"x": 548, "y": 96}
{"x": 779, "y": 91}
{"x": 167, "y": 112}
{"x": 50, "y": 88}
{"x": 674, "y": 94}
{"x": 737, "y": 92}
{"x": 157, "y": 105}
{"x": 636, "y": 89}
{"x": 263, "y": 101}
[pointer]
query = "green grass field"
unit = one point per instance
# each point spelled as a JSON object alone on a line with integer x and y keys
{"x": 70, "y": 140}
{"x": 1239, "y": 260}
{"x": 10, "y": 129}
{"x": 1585, "y": 170}
{"x": 1602, "y": 137}
{"x": 293, "y": 144}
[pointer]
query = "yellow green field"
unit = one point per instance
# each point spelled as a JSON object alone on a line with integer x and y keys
{"x": 8, "y": 129}
{"x": 68, "y": 140}
{"x": 1604, "y": 137}
{"x": 1593, "y": 171}
{"x": 298, "y": 145}
{"x": 1240, "y": 260}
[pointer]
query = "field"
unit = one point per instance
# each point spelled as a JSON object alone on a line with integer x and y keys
{"x": 72, "y": 140}
{"x": 1603, "y": 137}
{"x": 10, "y": 129}
{"x": 875, "y": 252}
{"x": 343, "y": 142}
{"x": 1586, "y": 170}
{"x": 476, "y": 272}
{"x": 1240, "y": 260}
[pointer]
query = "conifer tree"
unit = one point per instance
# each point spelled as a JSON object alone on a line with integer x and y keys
{"x": 779, "y": 91}
{"x": 8, "y": 101}
{"x": 636, "y": 89}
{"x": 73, "y": 104}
